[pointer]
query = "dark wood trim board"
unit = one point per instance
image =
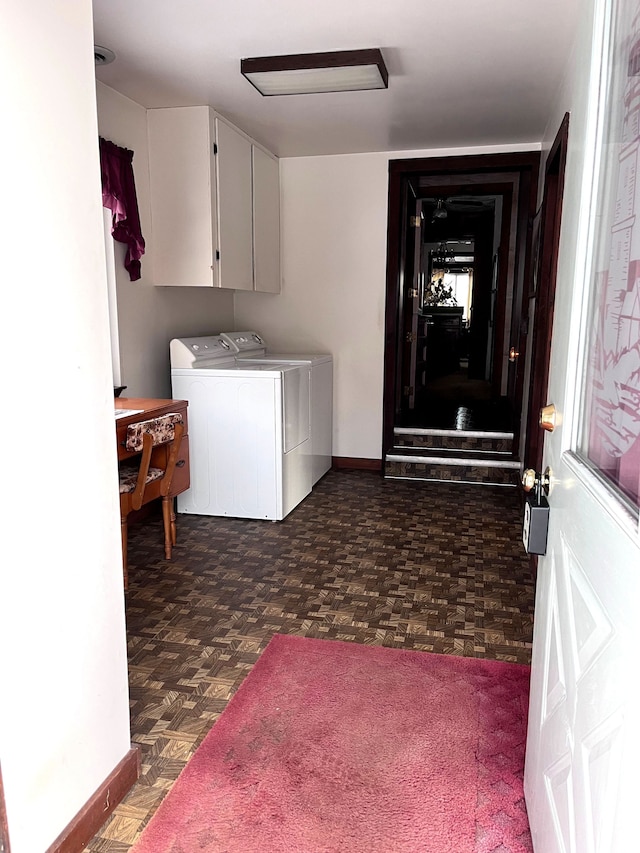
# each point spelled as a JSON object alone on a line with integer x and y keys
{"x": 346, "y": 463}
{"x": 97, "y": 809}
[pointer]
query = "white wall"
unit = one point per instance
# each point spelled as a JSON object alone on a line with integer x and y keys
{"x": 64, "y": 715}
{"x": 148, "y": 316}
{"x": 334, "y": 248}
{"x": 334, "y": 244}
{"x": 572, "y": 97}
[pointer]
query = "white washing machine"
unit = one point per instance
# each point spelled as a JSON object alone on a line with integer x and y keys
{"x": 250, "y": 346}
{"x": 249, "y": 431}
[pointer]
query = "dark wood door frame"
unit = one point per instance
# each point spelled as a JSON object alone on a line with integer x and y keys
{"x": 402, "y": 172}
{"x": 542, "y": 291}
{"x": 499, "y": 319}
{"x": 407, "y": 265}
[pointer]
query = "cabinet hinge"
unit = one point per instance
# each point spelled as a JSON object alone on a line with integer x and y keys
{"x": 413, "y": 293}
{"x": 411, "y": 337}
{"x": 215, "y": 147}
{"x": 407, "y": 390}
{"x": 415, "y": 221}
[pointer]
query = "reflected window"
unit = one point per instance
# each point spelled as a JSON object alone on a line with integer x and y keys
{"x": 610, "y": 425}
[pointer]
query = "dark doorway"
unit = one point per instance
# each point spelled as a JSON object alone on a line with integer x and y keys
{"x": 447, "y": 350}
{"x": 458, "y": 334}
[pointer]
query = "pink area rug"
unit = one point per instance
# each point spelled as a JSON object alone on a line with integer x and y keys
{"x": 332, "y": 747}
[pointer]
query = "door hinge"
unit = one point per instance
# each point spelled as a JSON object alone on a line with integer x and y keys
{"x": 215, "y": 147}
{"x": 415, "y": 221}
{"x": 411, "y": 337}
{"x": 407, "y": 390}
{"x": 217, "y": 254}
{"x": 413, "y": 293}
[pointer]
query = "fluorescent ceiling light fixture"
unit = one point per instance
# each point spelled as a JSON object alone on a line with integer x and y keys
{"x": 310, "y": 73}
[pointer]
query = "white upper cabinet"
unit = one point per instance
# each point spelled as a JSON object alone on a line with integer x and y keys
{"x": 235, "y": 226}
{"x": 183, "y": 196}
{"x": 215, "y": 203}
{"x": 266, "y": 221}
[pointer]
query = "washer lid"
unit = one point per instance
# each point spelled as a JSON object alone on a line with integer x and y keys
{"x": 263, "y": 365}
{"x": 300, "y": 357}
{"x": 247, "y": 369}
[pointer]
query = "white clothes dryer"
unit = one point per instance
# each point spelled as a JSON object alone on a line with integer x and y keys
{"x": 251, "y": 347}
{"x": 249, "y": 431}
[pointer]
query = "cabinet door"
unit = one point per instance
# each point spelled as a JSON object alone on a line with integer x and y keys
{"x": 235, "y": 232}
{"x": 183, "y": 209}
{"x": 266, "y": 222}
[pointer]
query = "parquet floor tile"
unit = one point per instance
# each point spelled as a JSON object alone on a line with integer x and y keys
{"x": 428, "y": 566}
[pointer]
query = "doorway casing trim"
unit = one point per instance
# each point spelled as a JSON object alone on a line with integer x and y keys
{"x": 526, "y": 163}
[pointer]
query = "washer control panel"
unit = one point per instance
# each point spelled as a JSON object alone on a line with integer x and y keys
{"x": 245, "y": 342}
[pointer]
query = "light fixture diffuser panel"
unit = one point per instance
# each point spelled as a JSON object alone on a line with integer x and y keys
{"x": 307, "y": 81}
{"x": 304, "y": 74}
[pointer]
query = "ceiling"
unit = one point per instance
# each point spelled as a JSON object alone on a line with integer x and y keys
{"x": 460, "y": 73}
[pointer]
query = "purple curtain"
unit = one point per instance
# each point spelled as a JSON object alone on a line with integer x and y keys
{"x": 119, "y": 196}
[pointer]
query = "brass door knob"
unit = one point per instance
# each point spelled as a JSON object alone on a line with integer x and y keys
{"x": 513, "y": 354}
{"x": 531, "y": 479}
{"x": 547, "y": 418}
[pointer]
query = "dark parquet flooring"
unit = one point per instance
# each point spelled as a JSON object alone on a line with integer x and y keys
{"x": 426, "y": 566}
{"x": 453, "y": 401}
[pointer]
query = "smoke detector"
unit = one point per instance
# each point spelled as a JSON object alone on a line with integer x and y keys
{"x": 102, "y": 55}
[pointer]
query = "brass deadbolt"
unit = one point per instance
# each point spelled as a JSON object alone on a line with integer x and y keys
{"x": 547, "y": 418}
{"x": 529, "y": 478}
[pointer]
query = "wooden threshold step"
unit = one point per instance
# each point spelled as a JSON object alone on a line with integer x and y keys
{"x": 454, "y": 439}
{"x": 461, "y": 467}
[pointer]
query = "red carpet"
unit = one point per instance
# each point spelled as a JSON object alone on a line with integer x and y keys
{"x": 332, "y": 747}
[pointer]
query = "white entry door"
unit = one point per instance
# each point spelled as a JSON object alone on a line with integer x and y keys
{"x": 582, "y": 775}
